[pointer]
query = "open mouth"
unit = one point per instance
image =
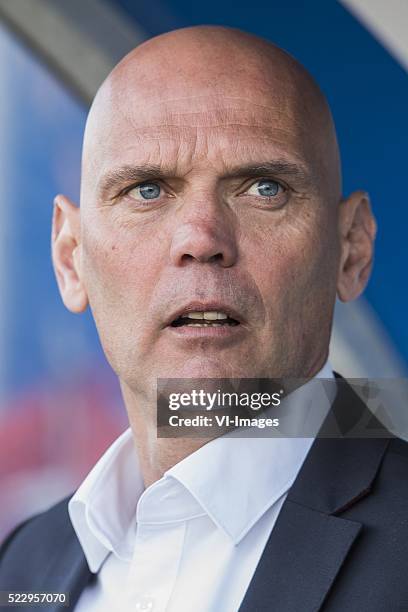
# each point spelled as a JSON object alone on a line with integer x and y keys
{"x": 210, "y": 318}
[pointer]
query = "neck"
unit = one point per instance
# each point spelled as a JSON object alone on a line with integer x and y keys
{"x": 156, "y": 455}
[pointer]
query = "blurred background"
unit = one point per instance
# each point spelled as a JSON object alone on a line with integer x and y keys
{"x": 60, "y": 405}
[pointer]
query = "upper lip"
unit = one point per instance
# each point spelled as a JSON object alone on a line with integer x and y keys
{"x": 204, "y": 307}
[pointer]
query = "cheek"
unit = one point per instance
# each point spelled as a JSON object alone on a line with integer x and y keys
{"x": 119, "y": 274}
{"x": 293, "y": 261}
{"x": 117, "y": 264}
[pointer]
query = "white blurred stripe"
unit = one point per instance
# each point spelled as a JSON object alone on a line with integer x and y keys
{"x": 360, "y": 345}
{"x": 388, "y": 22}
{"x": 81, "y": 39}
{"x": 361, "y": 348}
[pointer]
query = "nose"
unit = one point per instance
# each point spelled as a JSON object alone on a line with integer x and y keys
{"x": 205, "y": 236}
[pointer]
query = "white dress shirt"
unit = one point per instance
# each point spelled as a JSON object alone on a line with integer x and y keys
{"x": 191, "y": 540}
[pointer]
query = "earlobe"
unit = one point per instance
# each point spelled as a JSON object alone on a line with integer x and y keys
{"x": 66, "y": 254}
{"x": 357, "y": 228}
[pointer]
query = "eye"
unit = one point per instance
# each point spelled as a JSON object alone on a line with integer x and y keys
{"x": 265, "y": 187}
{"x": 145, "y": 191}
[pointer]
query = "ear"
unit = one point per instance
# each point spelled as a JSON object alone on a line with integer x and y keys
{"x": 357, "y": 234}
{"x": 66, "y": 254}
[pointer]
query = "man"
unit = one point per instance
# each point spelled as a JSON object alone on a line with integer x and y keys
{"x": 211, "y": 191}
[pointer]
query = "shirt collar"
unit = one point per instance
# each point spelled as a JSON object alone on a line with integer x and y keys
{"x": 247, "y": 474}
{"x": 103, "y": 508}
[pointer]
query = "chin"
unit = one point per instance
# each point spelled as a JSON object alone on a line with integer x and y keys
{"x": 201, "y": 367}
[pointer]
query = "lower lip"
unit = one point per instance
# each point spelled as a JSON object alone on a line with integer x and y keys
{"x": 223, "y": 331}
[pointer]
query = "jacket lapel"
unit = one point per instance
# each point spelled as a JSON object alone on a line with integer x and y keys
{"x": 310, "y": 541}
{"x": 300, "y": 561}
{"x": 67, "y": 573}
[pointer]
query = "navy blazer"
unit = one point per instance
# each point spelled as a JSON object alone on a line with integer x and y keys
{"x": 340, "y": 543}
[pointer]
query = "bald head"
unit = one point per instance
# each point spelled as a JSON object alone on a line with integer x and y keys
{"x": 196, "y": 77}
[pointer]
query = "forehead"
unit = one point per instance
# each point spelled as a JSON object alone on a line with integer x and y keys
{"x": 189, "y": 130}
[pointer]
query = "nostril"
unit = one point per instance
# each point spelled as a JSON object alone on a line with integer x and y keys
{"x": 217, "y": 258}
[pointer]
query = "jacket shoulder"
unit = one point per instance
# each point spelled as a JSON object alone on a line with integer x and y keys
{"x": 399, "y": 447}
{"x": 392, "y": 481}
{"x": 30, "y": 545}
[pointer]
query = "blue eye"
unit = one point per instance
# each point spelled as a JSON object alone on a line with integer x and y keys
{"x": 149, "y": 191}
{"x": 265, "y": 187}
{"x": 146, "y": 191}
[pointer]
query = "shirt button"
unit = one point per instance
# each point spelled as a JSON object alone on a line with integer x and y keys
{"x": 144, "y": 604}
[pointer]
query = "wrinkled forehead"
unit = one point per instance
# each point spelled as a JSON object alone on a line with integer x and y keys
{"x": 183, "y": 119}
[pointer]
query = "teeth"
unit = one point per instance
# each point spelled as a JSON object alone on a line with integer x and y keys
{"x": 195, "y": 315}
{"x": 211, "y": 315}
{"x": 222, "y": 315}
{"x": 204, "y": 325}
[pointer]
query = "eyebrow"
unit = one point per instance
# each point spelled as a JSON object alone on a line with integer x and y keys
{"x": 122, "y": 177}
{"x": 130, "y": 174}
{"x": 279, "y": 167}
